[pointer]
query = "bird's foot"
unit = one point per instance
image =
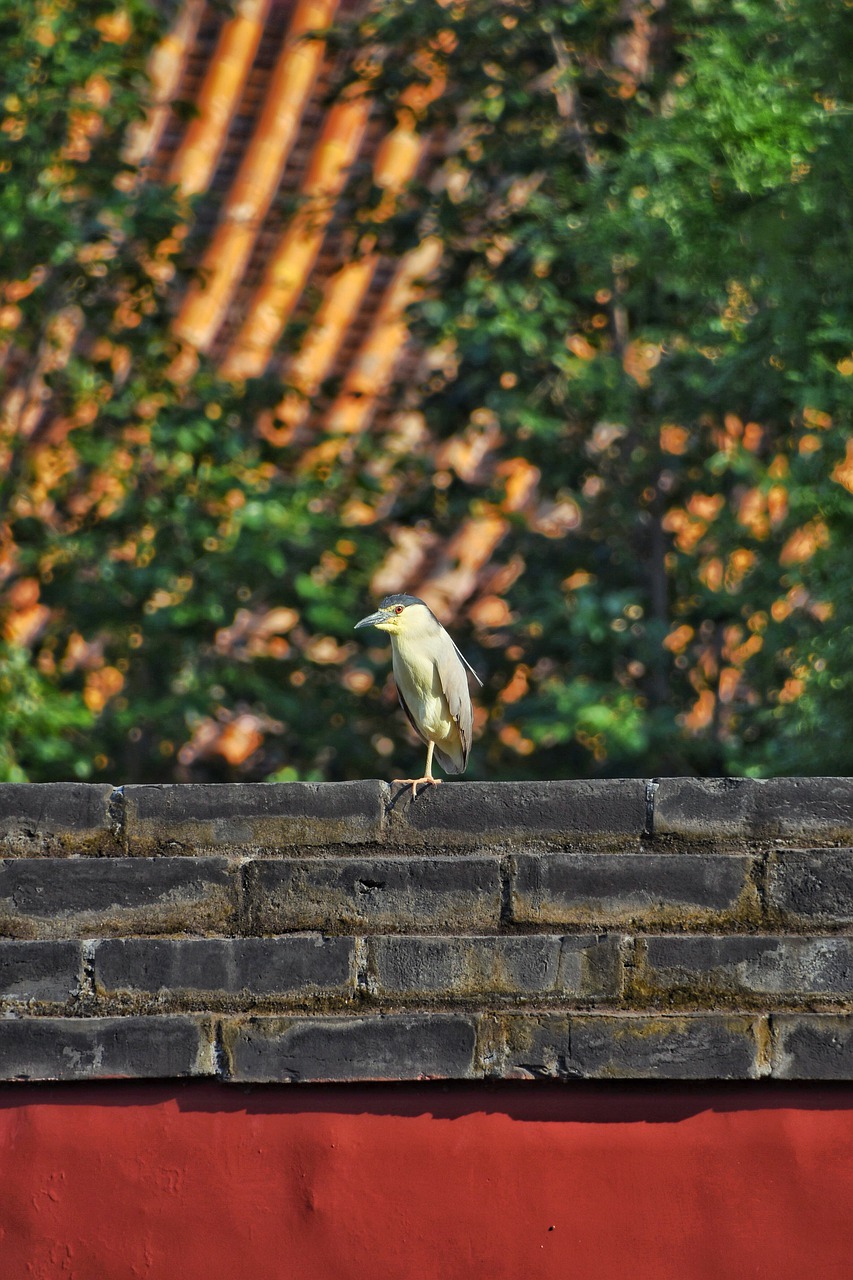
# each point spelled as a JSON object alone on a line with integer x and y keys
{"x": 414, "y": 783}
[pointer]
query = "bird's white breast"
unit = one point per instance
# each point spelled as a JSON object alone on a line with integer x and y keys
{"x": 418, "y": 681}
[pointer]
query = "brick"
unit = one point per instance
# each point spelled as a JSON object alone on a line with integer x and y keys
{"x": 372, "y": 894}
{"x": 185, "y": 817}
{"x": 382, "y": 1047}
{"x": 302, "y": 965}
{"x": 477, "y": 814}
{"x": 731, "y": 809}
{"x": 644, "y": 889}
{"x": 56, "y": 818}
{"x": 480, "y": 967}
{"x": 696, "y": 967}
{"x": 811, "y": 886}
{"x": 813, "y": 1047}
{"x": 53, "y": 897}
{"x": 630, "y": 1046}
{"x": 104, "y": 1048}
{"x": 39, "y": 971}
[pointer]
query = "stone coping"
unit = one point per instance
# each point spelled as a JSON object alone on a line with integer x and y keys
{"x": 75, "y": 818}
{"x": 669, "y": 929}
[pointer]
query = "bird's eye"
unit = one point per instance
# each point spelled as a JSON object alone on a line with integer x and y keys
{"x": 399, "y": 609}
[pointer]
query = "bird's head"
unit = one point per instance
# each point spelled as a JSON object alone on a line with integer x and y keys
{"x": 399, "y": 615}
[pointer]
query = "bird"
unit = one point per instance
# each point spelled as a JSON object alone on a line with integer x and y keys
{"x": 431, "y": 683}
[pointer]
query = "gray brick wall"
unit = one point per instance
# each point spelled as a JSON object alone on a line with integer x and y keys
{"x": 664, "y": 929}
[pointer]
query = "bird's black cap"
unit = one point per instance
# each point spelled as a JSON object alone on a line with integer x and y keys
{"x": 390, "y": 601}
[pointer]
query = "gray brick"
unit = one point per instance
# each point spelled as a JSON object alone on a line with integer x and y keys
{"x": 479, "y": 967}
{"x": 39, "y": 971}
{"x": 730, "y": 809}
{"x": 474, "y": 814}
{"x": 629, "y": 1046}
{"x": 104, "y": 1048}
{"x": 696, "y": 967}
{"x": 372, "y": 894}
{"x": 62, "y": 897}
{"x": 185, "y": 817}
{"x": 56, "y": 818}
{"x": 644, "y": 889}
{"x": 813, "y": 1047}
{"x": 302, "y": 965}
{"x": 383, "y": 1047}
{"x": 811, "y": 886}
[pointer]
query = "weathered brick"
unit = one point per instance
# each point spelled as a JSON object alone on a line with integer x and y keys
{"x": 630, "y": 1046}
{"x": 480, "y": 967}
{"x": 372, "y": 894}
{"x": 185, "y": 817}
{"x": 808, "y": 887}
{"x": 39, "y": 971}
{"x": 299, "y": 965}
{"x": 476, "y": 814}
{"x": 104, "y": 1048}
{"x": 644, "y": 889}
{"x": 813, "y": 1046}
{"x": 427, "y": 893}
{"x": 731, "y": 809}
{"x": 416, "y": 1046}
{"x": 699, "y": 967}
{"x": 56, "y": 818}
{"x": 74, "y": 897}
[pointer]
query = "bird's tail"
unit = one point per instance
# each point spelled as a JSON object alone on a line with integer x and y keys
{"x": 452, "y": 763}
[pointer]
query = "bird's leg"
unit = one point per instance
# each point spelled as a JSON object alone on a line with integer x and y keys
{"x": 427, "y": 780}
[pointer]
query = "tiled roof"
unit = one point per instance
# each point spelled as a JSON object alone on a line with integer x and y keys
{"x": 264, "y": 158}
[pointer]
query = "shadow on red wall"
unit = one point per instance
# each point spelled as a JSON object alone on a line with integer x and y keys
{"x": 426, "y": 1182}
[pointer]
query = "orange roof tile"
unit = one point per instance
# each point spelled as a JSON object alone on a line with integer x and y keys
{"x": 264, "y": 139}
{"x": 248, "y": 200}
{"x": 195, "y": 161}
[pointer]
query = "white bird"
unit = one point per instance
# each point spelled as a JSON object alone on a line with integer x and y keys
{"x": 431, "y": 683}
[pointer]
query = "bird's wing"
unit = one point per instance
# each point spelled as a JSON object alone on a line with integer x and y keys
{"x": 409, "y": 716}
{"x": 454, "y": 686}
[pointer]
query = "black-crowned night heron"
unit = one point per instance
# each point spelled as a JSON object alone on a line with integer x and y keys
{"x": 431, "y": 682}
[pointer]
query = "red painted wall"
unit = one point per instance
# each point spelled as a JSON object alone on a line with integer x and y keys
{"x": 425, "y": 1182}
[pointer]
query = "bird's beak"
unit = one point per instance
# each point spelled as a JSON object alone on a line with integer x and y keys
{"x": 370, "y": 621}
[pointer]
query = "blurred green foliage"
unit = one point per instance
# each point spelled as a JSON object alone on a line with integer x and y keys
{"x": 642, "y": 327}
{"x": 141, "y": 509}
{"x": 646, "y": 289}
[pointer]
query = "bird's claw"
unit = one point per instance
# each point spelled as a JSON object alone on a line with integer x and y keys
{"x": 414, "y": 783}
